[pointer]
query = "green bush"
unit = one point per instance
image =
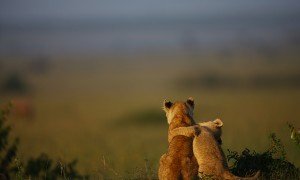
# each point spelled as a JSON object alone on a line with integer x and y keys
{"x": 8, "y": 150}
{"x": 272, "y": 163}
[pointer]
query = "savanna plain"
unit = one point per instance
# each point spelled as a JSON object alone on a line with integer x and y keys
{"x": 106, "y": 109}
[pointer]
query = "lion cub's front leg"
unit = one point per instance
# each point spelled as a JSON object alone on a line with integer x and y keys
{"x": 184, "y": 131}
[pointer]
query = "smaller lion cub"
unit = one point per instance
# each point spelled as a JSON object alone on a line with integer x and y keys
{"x": 207, "y": 149}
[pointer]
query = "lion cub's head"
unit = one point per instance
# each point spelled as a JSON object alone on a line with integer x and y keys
{"x": 215, "y": 127}
{"x": 178, "y": 108}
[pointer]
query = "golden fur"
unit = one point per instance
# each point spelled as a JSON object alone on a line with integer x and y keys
{"x": 179, "y": 162}
{"x": 207, "y": 150}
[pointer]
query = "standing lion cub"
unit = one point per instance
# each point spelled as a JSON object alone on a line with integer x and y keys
{"x": 179, "y": 162}
{"x": 207, "y": 149}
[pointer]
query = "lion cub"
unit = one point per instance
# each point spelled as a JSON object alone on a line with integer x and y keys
{"x": 207, "y": 149}
{"x": 179, "y": 162}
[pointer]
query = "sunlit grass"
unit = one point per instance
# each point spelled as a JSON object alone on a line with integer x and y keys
{"x": 103, "y": 108}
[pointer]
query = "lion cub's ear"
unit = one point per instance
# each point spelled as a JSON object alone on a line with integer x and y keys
{"x": 167, "y": 105}
{"x": 218, "y": 122}
{"x": 190, "y": 101}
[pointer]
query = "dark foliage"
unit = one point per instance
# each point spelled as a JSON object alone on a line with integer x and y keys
{"x": 272, "y": 163}
{"x": 45, "y": 168}
{"x": 15, "y": 83}
{"x": 8, "y": 150}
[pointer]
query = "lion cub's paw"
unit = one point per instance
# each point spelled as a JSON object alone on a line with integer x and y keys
{"x": 197, "y": 130}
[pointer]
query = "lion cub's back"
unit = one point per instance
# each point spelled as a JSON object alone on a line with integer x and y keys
{"x": 209, "y": 155}
{"x": 181, "y": 146}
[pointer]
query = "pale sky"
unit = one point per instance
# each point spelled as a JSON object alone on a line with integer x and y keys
{"x": 78, "y": 25}
{"x": 27, "y": 10}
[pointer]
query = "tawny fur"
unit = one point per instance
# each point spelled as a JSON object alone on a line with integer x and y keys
{"x": 179, "y": 162}
{"x": 207, "y": 150}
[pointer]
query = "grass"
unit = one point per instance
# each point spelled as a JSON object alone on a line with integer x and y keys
{"x": 271, "y": 163}
{"x": 111, "y": 107}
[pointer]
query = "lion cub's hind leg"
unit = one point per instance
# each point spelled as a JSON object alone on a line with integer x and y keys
{"x": 190, "y": 168}
{"x": 168, "y": 169}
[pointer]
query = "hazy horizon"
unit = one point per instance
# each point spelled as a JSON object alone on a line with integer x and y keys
{"x": 58, "y": 27}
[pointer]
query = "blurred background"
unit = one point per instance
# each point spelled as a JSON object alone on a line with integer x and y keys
{"x": 87, "y": 78}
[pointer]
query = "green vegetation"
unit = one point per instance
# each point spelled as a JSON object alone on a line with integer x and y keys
{"x": 295, "y": 134}
{"x": 110, "y": 106}
{"x": 15, "y": 83}
{"x": 272, "y": 163}
{"x": 41, "y": 167}
{"x": 7, "y": 150}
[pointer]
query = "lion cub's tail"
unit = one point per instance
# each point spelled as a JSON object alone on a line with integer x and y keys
{"x": 228, "y": 175}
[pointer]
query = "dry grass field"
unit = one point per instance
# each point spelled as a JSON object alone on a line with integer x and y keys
{"x": 109, "y": 107}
